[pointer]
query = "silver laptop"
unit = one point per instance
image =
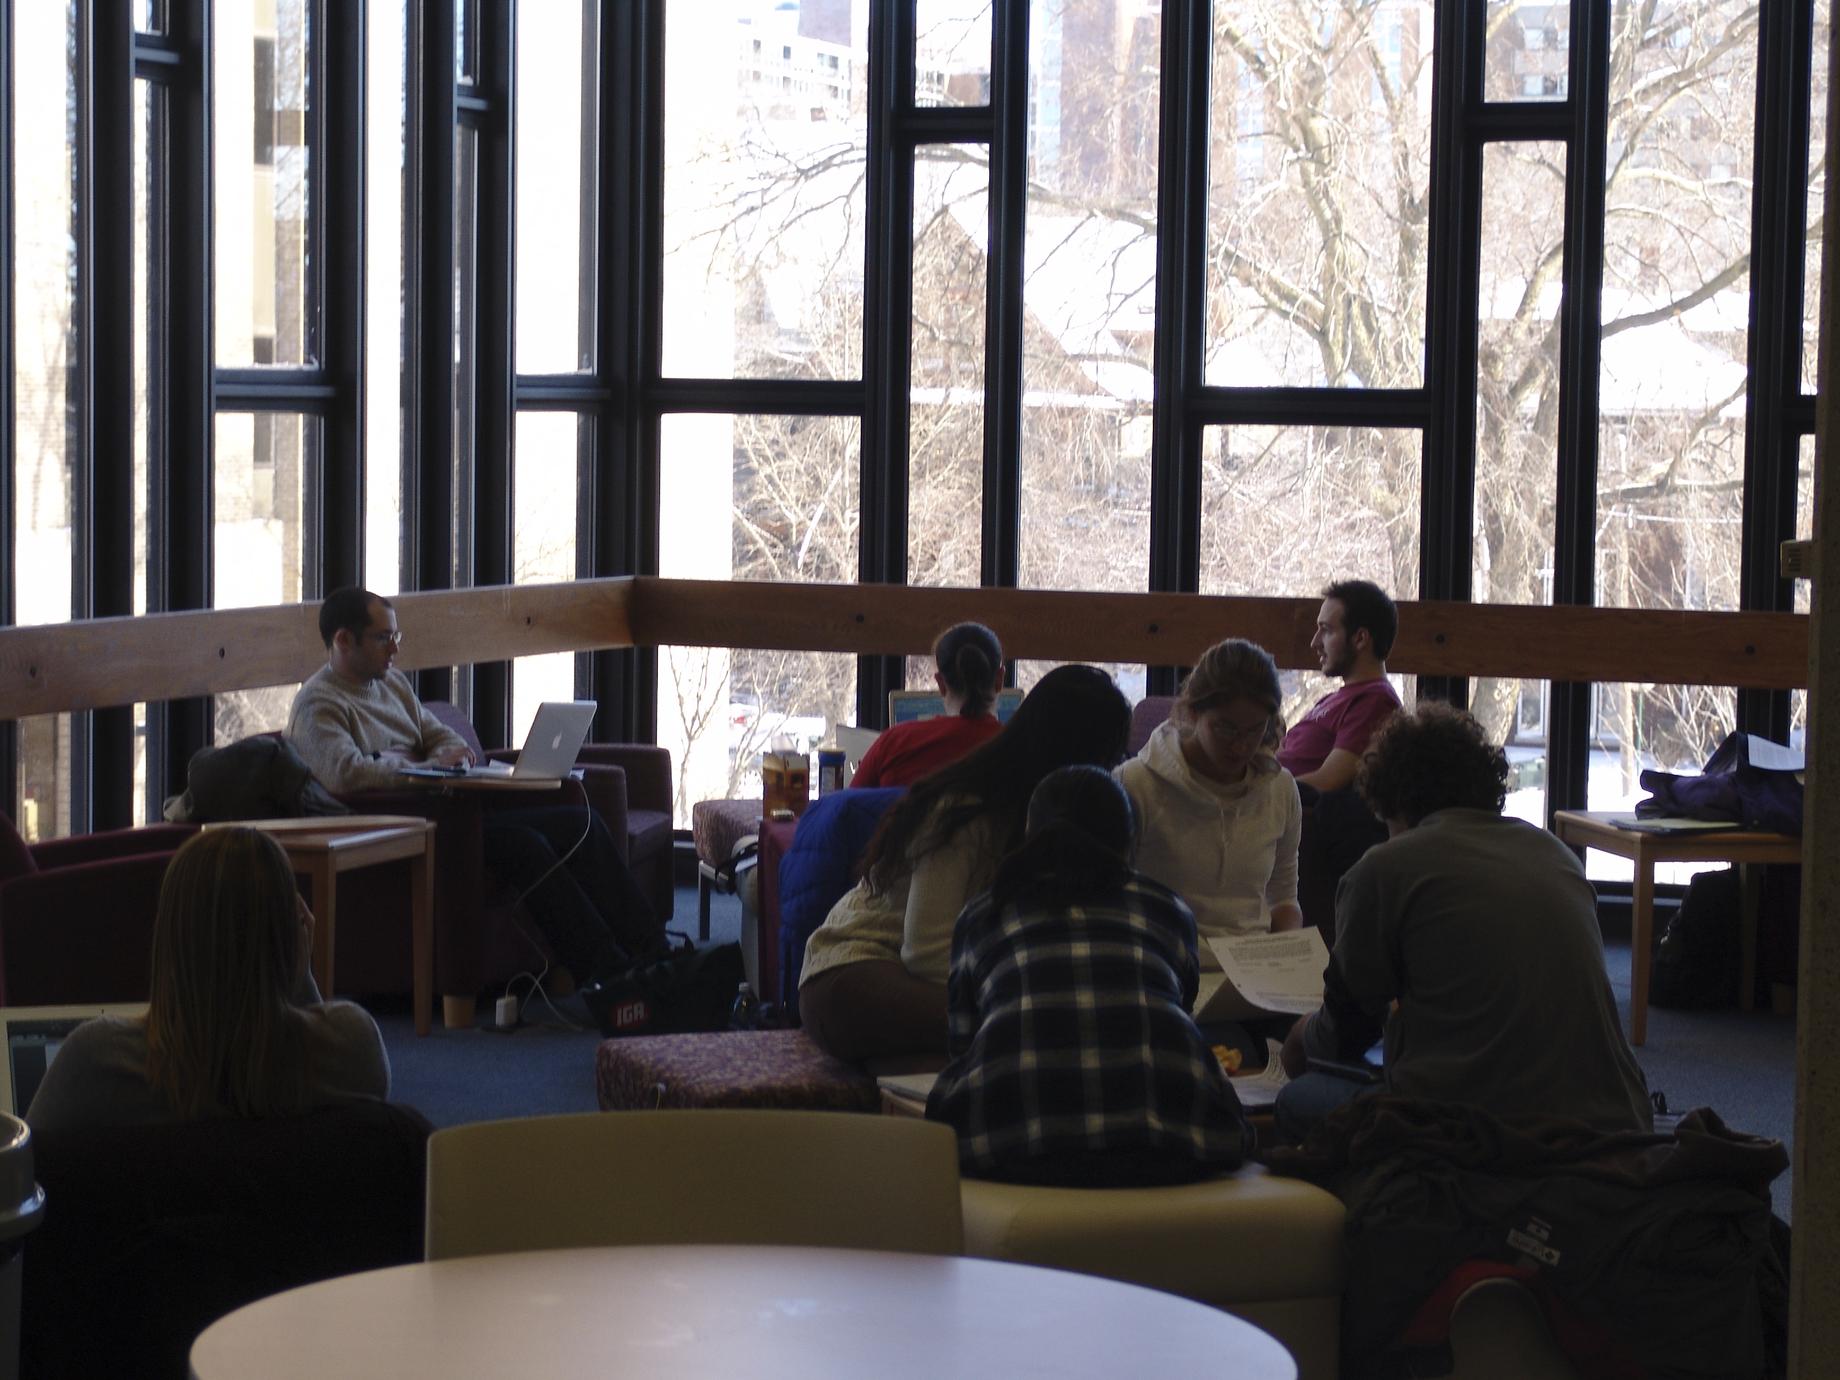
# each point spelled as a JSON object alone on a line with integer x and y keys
{"x": 30, "y": 1037}
{"x": 549, "y": 751}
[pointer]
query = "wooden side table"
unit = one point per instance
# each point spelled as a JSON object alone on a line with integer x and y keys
{"x": 321, "y": 847}
{"x": 1743, "y": 847}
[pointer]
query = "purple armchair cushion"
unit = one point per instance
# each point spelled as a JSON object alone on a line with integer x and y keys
{"x": 79, "y": 934}
{"x": 1145, "y": 716}
{"x": 15, "y": 857}
{"x": 455, "y": 718}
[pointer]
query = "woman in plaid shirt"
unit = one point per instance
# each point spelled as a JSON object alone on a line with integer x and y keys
{"x": 1074, "y": 1058}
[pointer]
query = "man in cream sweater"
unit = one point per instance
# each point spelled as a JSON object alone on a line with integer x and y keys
{"x": 357, "y": 722}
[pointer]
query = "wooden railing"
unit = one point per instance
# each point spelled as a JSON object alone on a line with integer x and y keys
{"x": 61, "y": 667}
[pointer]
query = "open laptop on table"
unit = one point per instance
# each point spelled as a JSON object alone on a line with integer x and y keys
{"x": 29, "y": 1040}
{"x": 549, "y": 751}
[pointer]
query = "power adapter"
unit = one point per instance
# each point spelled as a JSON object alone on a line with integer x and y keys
{"x": 507, "y": 1012}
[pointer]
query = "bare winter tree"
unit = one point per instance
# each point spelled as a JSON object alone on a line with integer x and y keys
{"x": 1317, "y": 264}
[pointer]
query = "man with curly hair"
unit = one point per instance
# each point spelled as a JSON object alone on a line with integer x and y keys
{"x": 1470, "y": 940}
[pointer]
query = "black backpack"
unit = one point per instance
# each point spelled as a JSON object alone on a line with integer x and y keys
{"x": 685, "y": 990}
{"x": 1698, "y": 961}
{"x": 253, "y": 778}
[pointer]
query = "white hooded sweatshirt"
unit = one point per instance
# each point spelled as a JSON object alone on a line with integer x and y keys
{"x": 1229, "y": 851}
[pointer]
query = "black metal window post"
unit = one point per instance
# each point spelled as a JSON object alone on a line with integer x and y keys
{"x": 182, "y": 347}
{"x": 620, "y": 492}
{"x": 428, "y": 278}
{"x": 1777, "y": 413}
{"x": 489, "y": 109}
{"x": 104, "y": 537}
{"x": 9, "y": 733}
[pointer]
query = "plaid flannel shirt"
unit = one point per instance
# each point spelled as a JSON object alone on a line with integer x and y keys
{"x": 1070, "y": 1031}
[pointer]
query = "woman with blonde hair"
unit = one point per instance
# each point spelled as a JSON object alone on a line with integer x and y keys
{"x": 1220, "y": 818}
{"x": 235, "y": 1026}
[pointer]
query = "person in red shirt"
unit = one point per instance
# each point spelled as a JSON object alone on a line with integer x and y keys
{"x": 970, "y": 672}
{"x": 1354, "y": 633}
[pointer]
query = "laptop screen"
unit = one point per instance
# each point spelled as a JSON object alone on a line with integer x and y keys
{"x": 33, "y": 1036}
{"x": 905, "y": 706}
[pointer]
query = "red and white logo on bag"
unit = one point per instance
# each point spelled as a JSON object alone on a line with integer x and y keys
{"x": 631, "y": 1014}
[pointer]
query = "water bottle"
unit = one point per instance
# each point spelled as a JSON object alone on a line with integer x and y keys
{"x": 745, "y": 1015}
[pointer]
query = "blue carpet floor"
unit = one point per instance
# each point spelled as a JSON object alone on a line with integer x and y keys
{"x": 1740, "y": 1064}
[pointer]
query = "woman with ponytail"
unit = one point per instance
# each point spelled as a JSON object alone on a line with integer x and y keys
{"x": 969, "y": 662}
{"x": 874, "y": 981}
{"x": 1074, "y": 1059}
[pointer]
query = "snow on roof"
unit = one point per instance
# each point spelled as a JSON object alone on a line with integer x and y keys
{"x": 1662, "y": 368}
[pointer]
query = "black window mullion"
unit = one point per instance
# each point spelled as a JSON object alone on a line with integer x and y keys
{"x": 338, "y": 161}
{"x": 9, "y": 450}
{"x": 789, "y": 397}
{"x": 1568, "y": 741}
{"x": 1447, "y": 482}
{"x": 887, "y": 329}
{"x": 1003, "y": 316}
{"x": 493, "y": 354}
{"x": 182, "y": 519}
{"x": 1785, "y": 37}
{"x": 106, "y": 334}
{"x": 293, "y": 390}
{"x": 428, "y": 264}
{"x": 1181, "y": 275}
{"x": 624, "y": 481}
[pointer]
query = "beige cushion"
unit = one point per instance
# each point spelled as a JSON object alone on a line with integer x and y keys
{"x": 1242, "y": 1236}
{"x": 1266, "y": 1248}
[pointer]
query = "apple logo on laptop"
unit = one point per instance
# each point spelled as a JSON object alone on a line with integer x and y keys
{"x": 555, "y": 742}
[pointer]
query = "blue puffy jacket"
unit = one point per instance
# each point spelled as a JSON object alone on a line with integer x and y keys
{"x": 820, "y": 867}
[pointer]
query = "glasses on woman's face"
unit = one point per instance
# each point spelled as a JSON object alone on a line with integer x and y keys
{"x": 1239, "y": 733}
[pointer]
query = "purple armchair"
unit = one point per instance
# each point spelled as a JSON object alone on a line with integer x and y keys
{"x": 76, "y": 914}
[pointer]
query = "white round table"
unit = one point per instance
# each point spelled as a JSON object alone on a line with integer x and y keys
{"x": 675, "y": 1312}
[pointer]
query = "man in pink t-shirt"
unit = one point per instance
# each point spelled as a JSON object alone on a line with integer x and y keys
{"x": 1354, "y": 633}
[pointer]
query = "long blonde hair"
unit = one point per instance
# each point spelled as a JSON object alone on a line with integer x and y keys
{"x": 1231, "y": 670}
{"x": 223, "y": 1036}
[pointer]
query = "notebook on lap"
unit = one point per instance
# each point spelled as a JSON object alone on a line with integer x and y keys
{"x": 549, "y": 751}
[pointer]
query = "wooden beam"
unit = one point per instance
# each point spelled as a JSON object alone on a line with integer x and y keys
{"x": 1435, "y": 638}
{"x": 55, "y": 668}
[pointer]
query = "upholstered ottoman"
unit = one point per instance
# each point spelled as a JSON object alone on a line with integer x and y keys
{"x": 719, "y": 828}
{"x": 1265, "y": 1248}
{"x": 744, "y": 1068}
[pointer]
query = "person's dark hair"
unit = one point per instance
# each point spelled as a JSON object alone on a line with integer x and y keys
{"x": 223, "y": 1036}
{"x": 1075, "y": 715}
{"x": 1366, "y": 605}
{"x": 969, "y": 656}
{"x": 1432, "y": 758}
{"x": 347, "y": 609}
{"x": 1082, "y": 836}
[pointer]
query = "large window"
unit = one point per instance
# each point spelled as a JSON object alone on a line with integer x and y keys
{"x": 538, "y": 290}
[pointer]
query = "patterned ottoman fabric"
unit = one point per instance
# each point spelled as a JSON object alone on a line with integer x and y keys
{"x": 750, "y": 1068}
{"x": 718, "y": 825}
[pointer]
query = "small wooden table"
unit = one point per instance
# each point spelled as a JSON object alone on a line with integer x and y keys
{"x": 1744, "y": 847}
{"x": 767, "y": 1312}
{"x": 321, "y": 847}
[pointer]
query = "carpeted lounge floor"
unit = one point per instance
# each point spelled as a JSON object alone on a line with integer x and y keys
{"x": 1741, "y": 1065}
